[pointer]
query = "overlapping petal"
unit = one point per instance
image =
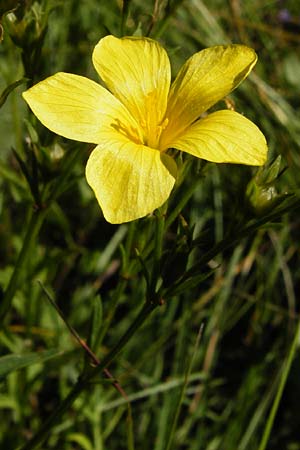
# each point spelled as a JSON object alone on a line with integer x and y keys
{"x": 78, "y": 108}
{"x": 224, "y": 136}
{"x": 207, "y": 77}
{"x": 129, "y": 180}
{"x": 137, "y": 71}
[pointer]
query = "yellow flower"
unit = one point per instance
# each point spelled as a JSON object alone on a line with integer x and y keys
{"x": 140, "y": 116}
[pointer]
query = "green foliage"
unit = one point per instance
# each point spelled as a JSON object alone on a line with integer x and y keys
{"x": 114, "y": 364}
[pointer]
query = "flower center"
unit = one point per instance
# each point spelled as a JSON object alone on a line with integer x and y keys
{"x": 153, "y": 121}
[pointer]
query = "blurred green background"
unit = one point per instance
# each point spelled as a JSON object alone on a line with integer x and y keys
{"x": 247, "y": 301}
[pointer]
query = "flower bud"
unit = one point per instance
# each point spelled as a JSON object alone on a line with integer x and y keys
{"x": 261, "y": 190}
{"x": 26, "y": 24}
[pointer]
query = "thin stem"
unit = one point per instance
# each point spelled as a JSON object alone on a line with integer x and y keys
{"x": 238, "y": 234}
{"x": 128, "y": 248}
{"x": 170, "y": 12}
{"x": 182, "y": 202}
{"x": 122, "y": 283}
{"x": 112, "y": 309}
{"x": 183, "y": 390}
{"x": 33, "y": 228}
{"x": 83, "y": 381}
{"x": 158, "y": 245}
{"x": 137, "y": 323}
{"x": 42, "y": 434}
{"x": 81, "y": 342}
{"x": 125, "y": 14}
{"x": 154, "y": 17}
{"x": 15, "y": 110}
{"x": 282, "y": 383}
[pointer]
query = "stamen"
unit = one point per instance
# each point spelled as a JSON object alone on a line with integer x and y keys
{"x": 153, "y": 122}
{"x": 132, "y": 133}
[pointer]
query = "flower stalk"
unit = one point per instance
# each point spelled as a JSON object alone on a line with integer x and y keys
{"x": 86, "y": 378}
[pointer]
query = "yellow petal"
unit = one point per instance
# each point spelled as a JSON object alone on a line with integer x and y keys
{"x": 224, "y": 136}
{"x": 78, "y": 108}
{"x": 137, "y": 71}
{"x": 206, "y": 78}
{"x": 129, "y": 180}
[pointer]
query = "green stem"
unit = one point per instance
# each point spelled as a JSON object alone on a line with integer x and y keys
{"x": 131, "y": 234}
{"x": 158, "y": 245}
{"x": 33, "y": 228}
{"x": 42, "y": 434}
{"x": 112, "y": 309}
{"x": 113, "y": 303}
{"x": 137, "y": 323}
{"x": 182, "y": 202}
{"x": 83, "y": 381}
{"x": 170, "y": 12}
{"x": 180, "y": 400}
{"x": 233, "y": 238}
{"x": 125, "y": 14}
{"x": 283, "y": 380}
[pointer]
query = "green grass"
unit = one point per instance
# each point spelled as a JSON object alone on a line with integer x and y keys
{"x": 228, "y": 265}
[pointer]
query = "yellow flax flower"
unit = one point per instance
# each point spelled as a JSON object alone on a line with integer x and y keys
{"x": 141, "y": 115}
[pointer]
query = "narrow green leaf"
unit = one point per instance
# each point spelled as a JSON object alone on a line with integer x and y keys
{"x": 160, "y": 388}
{"x": 290, "y": 203}
{"x": 186, "y": 284}
{"x": 187, "y": 374}
{"x": 130, "y": 433}
{"x": 9, "y": 89}
{"x": 125, "y": 15}
{"x": 286, "y": 367}
{"x": 23, "y": 167}
{"x": 10, "y": 363}
{"x": 30, "y": 175}
{"x": 81, "y": 440}
{"x": 96, "y": 323}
